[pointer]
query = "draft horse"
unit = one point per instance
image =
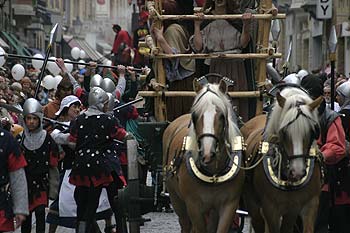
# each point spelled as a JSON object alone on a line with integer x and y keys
{"x": 202, "y": 153}
{"x": 286, "y": 183}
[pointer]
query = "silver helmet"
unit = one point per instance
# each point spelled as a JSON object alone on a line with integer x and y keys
{"x": 97, "y": 98}
{"x": 292, "y": 78}
{"x": 96, "y": 81}
{"x": 301, "y": 74}
{"x": 108, "y": 85}
{"x": 344, "y": 89}
{"x": 32, "y": 106}
{"x": 111, "y": 102}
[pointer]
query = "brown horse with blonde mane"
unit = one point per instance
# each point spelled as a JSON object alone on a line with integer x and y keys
{"x": 202, "y": 152}
{"x": 286, "y": 181}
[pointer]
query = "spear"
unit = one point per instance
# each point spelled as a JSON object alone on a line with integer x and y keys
{"x": 286, "y": 64}
{"x": 69, "y": 62}
{"x": 127, "y": 104}
{"x": 48, "y": 51}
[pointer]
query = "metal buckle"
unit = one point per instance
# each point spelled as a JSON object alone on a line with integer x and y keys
{"x": 237, "y": 143}
{"x": 264, "y": 147}
{"x": 188, "y": 141}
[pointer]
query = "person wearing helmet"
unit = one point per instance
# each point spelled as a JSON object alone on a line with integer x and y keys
{"x": 93, "y": 132}
{"x": 83, "y": 93}
{"x": 332, "y": 146}
{"x": 41, "y": 154}
{"x": 65, "y": 205}
{"x": 12, "y": 174}
{"x": 343, "y": 98}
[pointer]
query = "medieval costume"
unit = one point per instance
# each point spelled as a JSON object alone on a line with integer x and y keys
{"x": 41, "y": 154}
{"x": 179, "y": 71}
{"x": 63, "y": 210}
{"x": 12, "y": 163}
{"x": 93, "y": 133}
{"x": 220, "y": 36}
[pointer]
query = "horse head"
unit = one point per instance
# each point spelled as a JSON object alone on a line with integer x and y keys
{"x": 294, "y": 120}
{"x": 212, "y": 126}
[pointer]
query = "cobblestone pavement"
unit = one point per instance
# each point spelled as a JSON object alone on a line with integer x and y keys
{"x": 160, "y": 223}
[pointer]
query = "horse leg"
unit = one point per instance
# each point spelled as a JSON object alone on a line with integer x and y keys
{"x": 309, "y": 214}
{"x": 288, "y": 222}
{"x": 197, "y": 218}
{"x": 212, "y": 221}
{"x": 180, "y": 209}
{"x": 272, "y": 217}
{"x": 227, "y": 213}
{"x": 253, "y": 208}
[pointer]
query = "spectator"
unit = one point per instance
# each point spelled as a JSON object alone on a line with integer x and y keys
{"x": 122, "y": 40}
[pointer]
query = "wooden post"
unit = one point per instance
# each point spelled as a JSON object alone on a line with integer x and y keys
{"x": 263, "y": 42}
{"x": 159, "y": 102}
{"x": 134, "y": 187}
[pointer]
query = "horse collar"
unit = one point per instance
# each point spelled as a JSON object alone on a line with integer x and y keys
{"x": 271, "y": 173}
{"x": 229, "y": 173}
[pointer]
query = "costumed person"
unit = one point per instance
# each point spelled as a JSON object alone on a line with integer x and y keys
{"x": 63, "y": 210}
{"x": 225, "y": 36}
{"x": 41, "y": 154}
{"x": 82, "y": 93}
{"x": 179, "y": 71}
{"x": 13, "y": 183}
{"x": 92, "y": 133}
{"x": 331, "y": 215}
{"x": 343, "y": 98}
{"x": 140, "y": 36}
{"x": 122, "y": 41}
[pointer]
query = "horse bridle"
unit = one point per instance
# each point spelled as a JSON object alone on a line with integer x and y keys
{"x": 315, "y": 133}
{"x": 199, "y": 98}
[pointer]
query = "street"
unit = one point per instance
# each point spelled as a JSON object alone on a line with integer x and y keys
{"x": 160, "y": 223}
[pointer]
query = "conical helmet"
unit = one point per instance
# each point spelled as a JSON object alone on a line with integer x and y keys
{"x": 108, "y": 85}
{"x": 96, "y": 81}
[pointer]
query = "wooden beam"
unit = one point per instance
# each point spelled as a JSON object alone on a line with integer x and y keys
{"x": 221, "y": 56}
{"x": 235, "y": 94}
{"x": 214, "y": 17}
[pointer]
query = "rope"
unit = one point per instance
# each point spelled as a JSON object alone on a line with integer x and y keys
{"x": 277, "y": 161}
{"x": 246, "y": 168}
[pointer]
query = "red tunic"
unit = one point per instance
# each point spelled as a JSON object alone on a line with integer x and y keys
{"x": 334, "y": 151}
{"x": 121, "y": 37}
{"x": 15, "y": 161}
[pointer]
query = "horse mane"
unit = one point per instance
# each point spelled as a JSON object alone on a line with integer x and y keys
{"x": 221, "y": 101}
{"x": 280, "y": 117}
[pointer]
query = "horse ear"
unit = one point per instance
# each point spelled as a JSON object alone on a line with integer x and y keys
{"x": 196, "y": 86}
{"x": 223, "y": 86}
{"x": 280, "y": 99}
{"x": 315, "y": 103}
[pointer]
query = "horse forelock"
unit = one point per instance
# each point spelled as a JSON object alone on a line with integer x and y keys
{"x": 203, "y": 101}
{"x": 296, "y": 100}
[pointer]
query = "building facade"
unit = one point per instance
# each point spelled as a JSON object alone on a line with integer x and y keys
{"x": 309, "y": 34}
